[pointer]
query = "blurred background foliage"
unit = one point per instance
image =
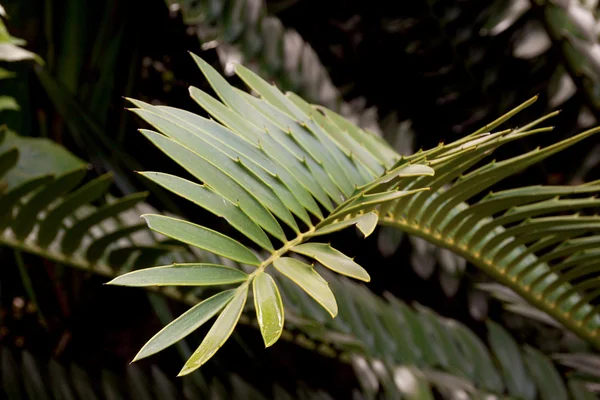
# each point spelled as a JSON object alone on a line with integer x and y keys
{"x": 416, "y": 73}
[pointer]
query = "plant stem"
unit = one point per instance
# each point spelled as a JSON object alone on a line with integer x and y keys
{"x": 500, "y": 276}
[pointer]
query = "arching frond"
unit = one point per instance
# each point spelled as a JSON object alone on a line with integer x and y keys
{"x": 532, "y": 239}
{"x": 284, "y": 172}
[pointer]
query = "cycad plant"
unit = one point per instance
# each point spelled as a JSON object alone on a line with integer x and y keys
{"x": 283, "y": 173}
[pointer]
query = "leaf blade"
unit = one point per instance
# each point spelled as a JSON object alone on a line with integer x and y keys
{"x": 218, "y": 333}
{"x": 201, "y": 237}
{"x": 213, "y": 202}
{"x": 181, "y": 275}
{"x": 269, "y": 308}
{"x": 185, "y": 324}
{"x": 309, "y": 280}
{"x": 333, "y": 259}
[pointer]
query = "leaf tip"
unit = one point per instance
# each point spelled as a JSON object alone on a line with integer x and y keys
{"x": 140, "y": 355}
{"x": 272, "y": 341}
{"x": 186, "y": 370}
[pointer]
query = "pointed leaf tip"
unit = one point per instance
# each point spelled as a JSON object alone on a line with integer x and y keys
{"x": 218, "y": 333}
{"x": 185, "y": 324}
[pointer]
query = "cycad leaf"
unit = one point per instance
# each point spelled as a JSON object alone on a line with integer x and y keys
{"x": 215, "y": 203}
{"x": 182, "y": 275}
{"x": 308, "y": 279}
{"x": 328, "y": 155}
{"x": 185, "y": 324}
{"x": 75, "y": 234}
{"x": 237, "y": 144}
{"x": 50, "y": 226}
{"x": 269, "y": 308}
{"x": 219, "y": 332}
{"x": 219, "y": 181}
{"x": 368, "y": 223}
{"x": 333, "y": 259}
{"x": 232, "y": 167}
{"x": 201, "y": 237}
{"x": 27, "y": 216}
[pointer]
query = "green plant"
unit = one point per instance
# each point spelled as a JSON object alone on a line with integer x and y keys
{"x": 277, "y": 154}
{"x": 384, "y": 340}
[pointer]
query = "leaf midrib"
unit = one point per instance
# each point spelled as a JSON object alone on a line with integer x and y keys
{"x": 499, "y": 275}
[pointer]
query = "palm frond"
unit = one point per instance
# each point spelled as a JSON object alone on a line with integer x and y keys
{"x": 386, "y": 339}
{"x": 525, "y": 238}
{"x": 259, "y": 171}
{"x": 47, "y": 210}
{"x": 258, "y": 149}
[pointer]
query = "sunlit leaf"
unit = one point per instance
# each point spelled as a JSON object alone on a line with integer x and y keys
{"x": 269, "y": 308}
{"x": 219, "y": 332}
{"x": 185, "y": 324}
{"x": 182, "y": 275}
{"x": 333, "y": 259}
{"x": 308, "y": 279}
{"x": 201, "y": 237}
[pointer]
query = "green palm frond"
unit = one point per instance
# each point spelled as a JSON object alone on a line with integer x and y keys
{"x": 265, "y": 174}
{"x": 525, "y": 238}
{"x": 390, "y": 342}
{"x": 46, "y": 210}
{"x": 265, "y": 163}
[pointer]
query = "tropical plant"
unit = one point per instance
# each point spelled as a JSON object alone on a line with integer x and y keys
{"x": 275, "y": 168}
{"x": 112, "y": 242}
{"x": 437, "y": 358}
{"x": 277, "y": 155}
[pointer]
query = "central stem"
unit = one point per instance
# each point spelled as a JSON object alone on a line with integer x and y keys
{"x": 279, "y": 252}
{"x": 499, "y": 275}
